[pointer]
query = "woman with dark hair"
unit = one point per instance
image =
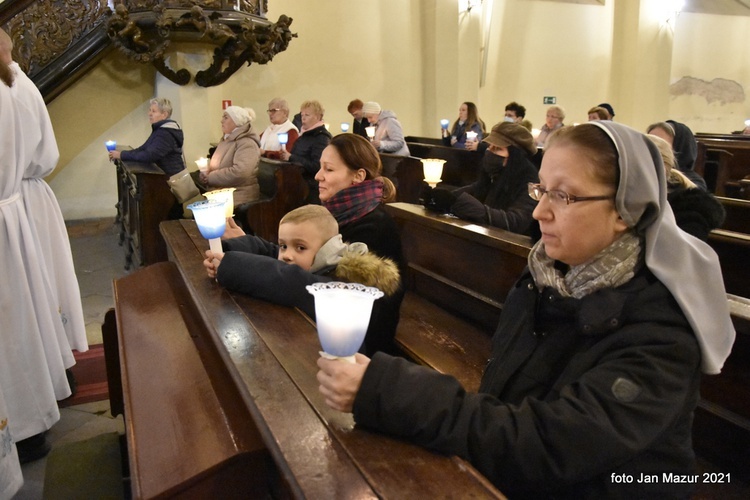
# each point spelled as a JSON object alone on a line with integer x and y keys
{"x": 596, "y": 362}
{"x": 468, "y": 121}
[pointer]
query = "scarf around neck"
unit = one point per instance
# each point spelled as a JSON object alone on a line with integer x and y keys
{"x": 612, "y": 267}
{"x": 319, "y": 124}
{"x": 269, "y": 141}
{"x": 356, "y": 201}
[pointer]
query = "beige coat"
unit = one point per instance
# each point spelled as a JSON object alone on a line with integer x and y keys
{"x": 235, "y": 164}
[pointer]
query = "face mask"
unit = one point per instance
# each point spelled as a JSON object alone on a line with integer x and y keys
{"x": 492, "y": 163}
{"x": 508, "y": 119}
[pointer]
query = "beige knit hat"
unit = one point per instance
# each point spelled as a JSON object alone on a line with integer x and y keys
{"x": 371, "y": 107}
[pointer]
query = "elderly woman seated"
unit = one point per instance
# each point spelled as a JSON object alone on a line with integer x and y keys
{"x": 313, "y": 139}
{"x": 553, "y": 121}
{"x": 278, "y": 113}
{"x": 235, "y": 161}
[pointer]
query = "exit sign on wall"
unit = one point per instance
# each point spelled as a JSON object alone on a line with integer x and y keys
{"x": 548, "y": 99}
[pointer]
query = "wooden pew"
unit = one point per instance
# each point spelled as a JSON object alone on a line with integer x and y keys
{"x": 261, "y": 358}
{"x": 451, "y": 309}
{"x": 182, "y": 419}
{"x": 733, "y": 250}
{"x": 437, "y": 141}
{"x": 461, "y": 167}
{"x": 406, "y": 173}
{"x": 282, "y": 189}
{"x": 727, "y": 161}
{"x": 738, "y": 214}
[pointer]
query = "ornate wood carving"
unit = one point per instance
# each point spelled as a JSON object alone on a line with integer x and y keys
{"x": 46, "y": 28}
{"x": 144, "y": 30}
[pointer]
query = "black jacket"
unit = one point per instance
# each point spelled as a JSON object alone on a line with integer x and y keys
{"x": 500, "y": 196}
{"x": 306, "y": 152}
{"x": 358, "y": 127}
{"x": 576, "y": 390}
{"x": 163, "y": 147}
{"x": 696, "y": 211}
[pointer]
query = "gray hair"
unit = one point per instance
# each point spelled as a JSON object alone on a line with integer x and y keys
{"x": 164, "y": 105}
{"x": 279, "y": 103}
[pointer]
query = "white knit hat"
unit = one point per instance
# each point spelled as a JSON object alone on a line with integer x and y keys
{"x": 239, "y": 115}
{"x": 371, "y": 107}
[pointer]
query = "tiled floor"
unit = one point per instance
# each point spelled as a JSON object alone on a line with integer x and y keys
{"x": 98, "y": 260}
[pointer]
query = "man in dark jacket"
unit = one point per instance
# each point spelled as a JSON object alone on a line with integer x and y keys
{"x": 163, "y": 146}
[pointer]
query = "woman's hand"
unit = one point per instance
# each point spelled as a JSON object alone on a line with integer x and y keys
{"x": 376, "y": 143}
{"x": 114, "y": 155}
{"x": 340, "y": 381}
{"x": 471, "y": 145}
{"x": 284, "y": 155}
{"x": 203, "y": 176}
{"x": 211, "y": 263}
{"x": 232, "y": 230}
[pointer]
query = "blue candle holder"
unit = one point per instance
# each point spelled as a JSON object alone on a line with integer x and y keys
{"x": 110, "y": 145}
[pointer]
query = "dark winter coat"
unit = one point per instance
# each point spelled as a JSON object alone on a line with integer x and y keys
{"x": 576, "y": 391}
{"x": 306, "y": 152}
{"x": 163, "y": 147}
{"x": 359, "y": 127}
{"x": 696, "y": 211}
{"x": 500, "y": 196}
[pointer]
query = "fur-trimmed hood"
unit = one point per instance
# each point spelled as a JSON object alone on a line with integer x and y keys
{"x": 370, "y": 270}
{"x": 353, "y": 263}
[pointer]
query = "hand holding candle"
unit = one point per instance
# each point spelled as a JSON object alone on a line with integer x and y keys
{"x": 202, "y": 163}
{"x": 283, "y": 139}
{"x": 471, "y": 136}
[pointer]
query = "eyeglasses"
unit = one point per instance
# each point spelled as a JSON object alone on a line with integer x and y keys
{"x": 554, "y": 116}
{"x": 270, "y": 111}
{"x": 557, "y": 197}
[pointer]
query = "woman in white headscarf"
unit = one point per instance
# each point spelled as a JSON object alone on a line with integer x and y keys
{"x": 235, "y": 161}
{"x": 596, "y": 362}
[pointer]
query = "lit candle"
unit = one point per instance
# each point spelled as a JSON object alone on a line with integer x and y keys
{"x": 471, "y": 136}
{"x": 433, "y": 170}
{"x": 225, "y": 195}
{"x": 444, "y": 123}
{"x": 202, "y": 163}
{"x": 344, "y": 127}
{"x": 370, "y": 132}
{"x": 110, "y": 145}
{"x": 283, "y": 139}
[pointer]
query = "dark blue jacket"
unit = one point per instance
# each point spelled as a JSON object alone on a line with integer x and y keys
{"x": 163, "y": 147}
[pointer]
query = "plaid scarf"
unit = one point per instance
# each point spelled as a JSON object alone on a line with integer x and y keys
{"x": 356, "y": 201}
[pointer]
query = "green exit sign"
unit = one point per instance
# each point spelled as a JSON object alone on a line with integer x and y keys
{"x": 548, "y": 99}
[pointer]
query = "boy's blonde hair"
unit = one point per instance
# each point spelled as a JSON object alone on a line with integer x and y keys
{"x": 318, "y": 215}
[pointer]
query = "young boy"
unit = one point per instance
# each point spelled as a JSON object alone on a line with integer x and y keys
{"x": 310, "y": 250}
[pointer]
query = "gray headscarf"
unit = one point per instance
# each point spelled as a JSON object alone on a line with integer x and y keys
{"x": 688, "y": 267}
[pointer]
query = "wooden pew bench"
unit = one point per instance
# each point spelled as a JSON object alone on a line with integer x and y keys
{"x": 727, "y": 161}
{"x": 461, "y": 167}
{"x": 451, "y": 308}
{"x": 733, "y": 249}
{"x": 228, "y": 358}
{"x": 406, "y": 173}
{"x": 282, "y": 189}
{"x": 186, "y": 432}
{"x": 738, "y": 214}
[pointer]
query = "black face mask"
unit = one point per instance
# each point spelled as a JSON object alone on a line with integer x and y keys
{"x": 492, "y": 163}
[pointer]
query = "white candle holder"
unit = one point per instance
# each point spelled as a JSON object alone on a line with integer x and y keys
{"x": 370, "y": 132}
{"x": 342, "y": 313}
{"x": 471, "y": 136}
{"x": 225, "y": 195}
{"x": 433, "y": 170}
